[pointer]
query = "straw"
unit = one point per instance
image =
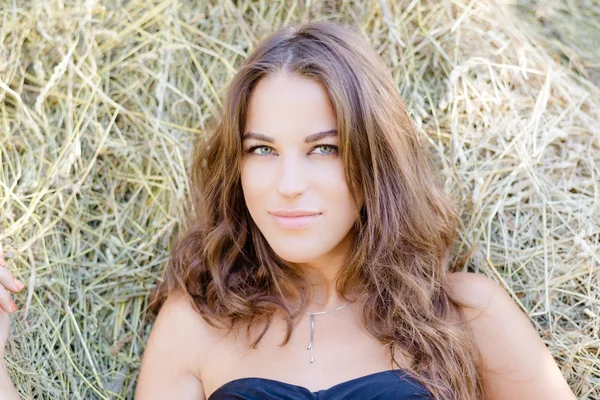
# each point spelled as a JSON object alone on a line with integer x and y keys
{"x": 100, "y": 103}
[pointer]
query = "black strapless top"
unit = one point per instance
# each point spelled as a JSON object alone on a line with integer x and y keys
{"x": 385, "y": 385}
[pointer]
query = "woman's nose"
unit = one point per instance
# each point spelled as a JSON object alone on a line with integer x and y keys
{"x": 292, "y": 177}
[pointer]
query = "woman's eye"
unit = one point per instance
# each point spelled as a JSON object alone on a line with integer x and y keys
{"x": 327, "y": 149}
{"x": 332, "y": 149}
{"x": 251, "y": 150}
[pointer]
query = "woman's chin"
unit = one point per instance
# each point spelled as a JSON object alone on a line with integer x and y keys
{"x": 295, "y": 257}
{"x": 296, "y": 254}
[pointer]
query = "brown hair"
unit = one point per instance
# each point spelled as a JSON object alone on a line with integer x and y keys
{"x": 401, "y": 242}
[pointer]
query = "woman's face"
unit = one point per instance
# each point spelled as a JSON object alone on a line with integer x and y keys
{"x": 291, "y": 162}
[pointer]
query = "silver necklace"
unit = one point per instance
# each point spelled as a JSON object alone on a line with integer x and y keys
{"x": 312, "y": 324}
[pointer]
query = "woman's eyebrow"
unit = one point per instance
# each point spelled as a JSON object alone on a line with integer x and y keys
{"x": 309, "y": 139}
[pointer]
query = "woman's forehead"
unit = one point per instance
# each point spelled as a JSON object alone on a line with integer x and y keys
{"x": 289, "y": 104}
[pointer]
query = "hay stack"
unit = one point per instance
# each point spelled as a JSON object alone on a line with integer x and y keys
{"x": 100, "y": 102}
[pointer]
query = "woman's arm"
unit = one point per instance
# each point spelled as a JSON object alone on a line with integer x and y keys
{"x": 172, "y": 354}
{"x": 517, "y": 363}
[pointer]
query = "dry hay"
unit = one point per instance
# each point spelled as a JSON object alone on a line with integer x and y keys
{"x": 100, "y": 102}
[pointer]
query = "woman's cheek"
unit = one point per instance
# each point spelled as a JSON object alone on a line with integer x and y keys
{"x": 255, "y": 178}
{"x": 330, "y": 177}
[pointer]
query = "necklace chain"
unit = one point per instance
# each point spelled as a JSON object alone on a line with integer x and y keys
{"x": 312, "y": 324}
{"x": 325, "y": 312}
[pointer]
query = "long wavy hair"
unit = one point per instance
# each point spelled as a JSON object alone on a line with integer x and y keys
{"x": 401, "y": 244}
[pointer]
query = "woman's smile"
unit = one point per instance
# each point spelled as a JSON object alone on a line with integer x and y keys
{"x": 295, "y": 223}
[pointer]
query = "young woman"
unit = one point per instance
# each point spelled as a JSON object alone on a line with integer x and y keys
{"x": 316, "y": 264}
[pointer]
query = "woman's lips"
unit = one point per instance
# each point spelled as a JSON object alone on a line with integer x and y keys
{"x": 295, "y": 223}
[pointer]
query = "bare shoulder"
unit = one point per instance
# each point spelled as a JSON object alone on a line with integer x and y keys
{"x": 476, "y": 290}
{"x": 172, "y": 356}
{"x": 516, "y": 362}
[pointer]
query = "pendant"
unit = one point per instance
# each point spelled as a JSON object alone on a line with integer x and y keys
{"x": 312, "y": 331}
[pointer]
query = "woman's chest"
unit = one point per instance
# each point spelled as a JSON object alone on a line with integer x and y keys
{"x": 341, "y": 350}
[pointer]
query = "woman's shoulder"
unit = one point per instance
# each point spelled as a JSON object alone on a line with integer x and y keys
{"x": 515, "y": 358}
{"x": 174, "y": 352}
{"x": 472, "y": 289}
{"x": 484, "y": 304}
{"x": 185, "y": 329}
